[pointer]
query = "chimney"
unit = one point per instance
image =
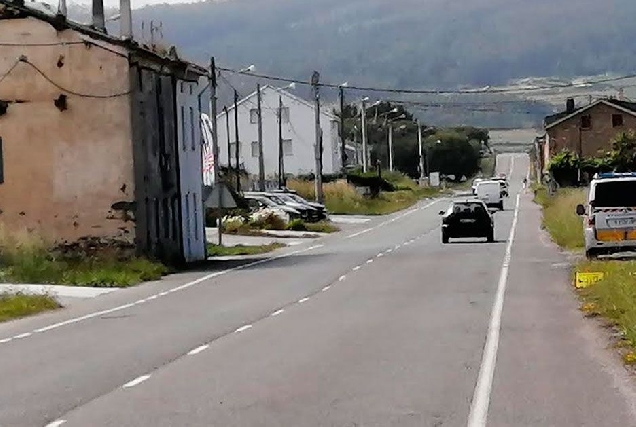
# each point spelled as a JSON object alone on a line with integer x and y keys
{"x": 621, "y": 94}
{"x": 61, "y": 8}
{"x": 125, "y": 24}
{"x": 98, "y": 16}
{"x": 569, "y": 105}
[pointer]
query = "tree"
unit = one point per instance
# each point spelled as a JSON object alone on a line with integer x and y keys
{"x": 453, "y": 155}
{"x": 623, "y": 154}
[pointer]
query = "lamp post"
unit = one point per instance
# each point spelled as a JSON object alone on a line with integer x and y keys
{"x": 343, "y": 153}
{"x": 281, "y": 154}
{"x": 363, "y": 119}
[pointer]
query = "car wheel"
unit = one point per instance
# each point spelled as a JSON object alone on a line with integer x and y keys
{"x": 444, "y": 237}
{"x": 490, "y": 238}
{"x": 501, "y": 207}
{"x": 591, "y": 254}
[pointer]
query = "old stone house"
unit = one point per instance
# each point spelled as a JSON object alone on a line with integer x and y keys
{"x": 100, "y": 137}
{"x": 587, "y": 130}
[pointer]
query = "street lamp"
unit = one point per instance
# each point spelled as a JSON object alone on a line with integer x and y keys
{"x": 390, "y": 131}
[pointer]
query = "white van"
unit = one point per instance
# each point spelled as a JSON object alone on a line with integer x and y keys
{"x": 610, "y": 215}
{"x": 490, "y": 193}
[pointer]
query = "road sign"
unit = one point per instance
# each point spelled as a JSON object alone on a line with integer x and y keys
{"x": 584, "y": 280}
{"x": 433, "y": 178}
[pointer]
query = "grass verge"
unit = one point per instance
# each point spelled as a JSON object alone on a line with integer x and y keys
{"x": 559, "y": 217}
{"x": 216, "y": 250}
{"x": 15, "y": 306}
{"x": 342, "y": 198}
{"x": 26, "y": 259}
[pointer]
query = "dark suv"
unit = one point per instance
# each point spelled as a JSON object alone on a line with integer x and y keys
{"x": 467, "y": 218}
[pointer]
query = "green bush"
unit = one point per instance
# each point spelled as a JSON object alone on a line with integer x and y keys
{"x": 271, "y": 221}
{"x": 297, "y": 225}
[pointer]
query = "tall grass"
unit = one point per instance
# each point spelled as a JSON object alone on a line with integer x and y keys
{"x": 342, "y": 198}
{"x": 559, "y": 216}
{"x": 13, "y": 306}
{"x": 26, "y": 258}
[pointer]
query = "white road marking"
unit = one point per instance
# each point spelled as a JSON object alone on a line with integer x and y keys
{"x": 198, "y": 350}
{"x": 396, "y": 247}
{"x": 388, "y": 251}
{"x": 356, "y": 268}
{"x": 366, "y": 230}
{"x": 380, "y": 255}
{"x": 153, "y": 297}
{"x": 326, "y": 288}
{"x": 24, "y": 335}
{"x": 243, "y": 328}
{"x": 302, "y": 300}
{"x": 5, "y": 340}
{"x": 369, "y": 261}
{"x": 57, "y": 423}
{"x": 277, "y": 312}
{"x": 136, "y": 381}
{"x": 481, "y": 397}
{"x": 341, "y": 278}
{"x": 178, "y": 288}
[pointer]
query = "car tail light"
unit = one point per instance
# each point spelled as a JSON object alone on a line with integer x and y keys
{"x": 591, "y": 221}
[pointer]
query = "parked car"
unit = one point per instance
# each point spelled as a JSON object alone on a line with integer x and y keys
{"x": 307, "y": 213}
{"x": 610, "y": 214}
{"x": 467, "y": 218}
{"x": 318, "y": 214}
{"x": 490, "y": 193}
{"x": 257, "y": 201}
{"x": 296, "y": 197}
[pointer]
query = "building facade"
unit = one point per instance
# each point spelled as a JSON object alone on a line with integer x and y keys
{"x": 100, "y": 138}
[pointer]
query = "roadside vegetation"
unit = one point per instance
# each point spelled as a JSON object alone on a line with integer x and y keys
{"x": 216, "y": 250}
{"x": 242, "y": 225}
{"x": 17, "y": 305}
{"x": 25, "y": 258}
{"x": 614, "y": 297}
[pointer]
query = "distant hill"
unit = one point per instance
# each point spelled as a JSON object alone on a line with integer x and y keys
{"x": 406, "y": 43}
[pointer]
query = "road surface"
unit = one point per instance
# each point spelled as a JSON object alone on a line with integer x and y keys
{"x": 379, "y": 326}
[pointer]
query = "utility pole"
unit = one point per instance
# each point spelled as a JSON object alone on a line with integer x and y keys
{"x": 419, "y": 147}
{"x": 343, "y": 153}
{"x": 391, "y": 147}
{"x": 315, "y": 80}
{"x": 215, "y": 151}
{"x": 229, "y": 142}
{"x": 281, "y": 166}
{"x": 261, "y": 160}
{"x": 364, "y": 135}
{"x": 237, "y": 143}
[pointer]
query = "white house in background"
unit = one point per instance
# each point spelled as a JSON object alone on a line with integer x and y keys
{"x": 298, "y": 134}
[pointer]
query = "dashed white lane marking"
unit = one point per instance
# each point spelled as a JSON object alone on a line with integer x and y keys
{"x": 277, "y": 312}
{"x": 388, "y": 251}
{"x": 356, "y": 268}
{"x": 57, "y": 423}
{"x": 326, "y": 288}
{"x": 341, "y": 278}
{"x": 5, "y": 340}
{"x": 395, "y": 218}
{"x": 481, "y": 397}
{"x": 302, "y": 300}
{"x": 243, "y": 328}
{"x": 198, "y": 350}
{"x": 380, "y": 255}
{"x": 369, "y": 261}
{"x": 153, "y": 297}
{"x": 24, "y": 335}
{"x": 136, "y": 381}
{"x": 176, "y": 289}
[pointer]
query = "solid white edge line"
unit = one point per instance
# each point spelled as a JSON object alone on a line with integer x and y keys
{"x": 56, "y": 423}
{"x": 136, "y": 381}
{"x": 369, "y": 261}
{"x": 341, "y": 278}
{"x": 277, "y": 312}
{"x": 198, "y": 350}
{"x": 24, "y": 335}
{"x": 326, "y": 288}
{"x": 178, "y": 288}
{"x": 356, "y": 268}
{"x": 243, "y": 328}
{"x": 481, "y": 397}
{"x": 302, "y": 300}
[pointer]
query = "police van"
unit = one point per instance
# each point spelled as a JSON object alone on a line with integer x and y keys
{"x": 610, "y": 214}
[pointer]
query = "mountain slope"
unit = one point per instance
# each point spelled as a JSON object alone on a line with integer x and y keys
{"x": 412, "y": 43}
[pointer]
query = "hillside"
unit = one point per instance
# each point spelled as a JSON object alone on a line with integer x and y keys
{"x": 411, "y": 43}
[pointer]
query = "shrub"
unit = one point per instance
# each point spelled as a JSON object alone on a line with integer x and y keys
{"x": 297, "y": 225}
{"x": 268, "y": 220}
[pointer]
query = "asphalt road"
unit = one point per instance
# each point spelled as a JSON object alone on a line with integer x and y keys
{"x": 379, "y": 326}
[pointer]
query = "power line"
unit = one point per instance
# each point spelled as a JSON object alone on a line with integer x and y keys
{"x": 434, "y": 91}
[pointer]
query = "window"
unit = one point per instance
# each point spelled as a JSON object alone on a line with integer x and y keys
{"x": 254, "y": 148}
{"x": 586, "y": 121}
{"x": 284, "y": 114}
{"x": 253, "y": 115}
{"x": 287, "y": 147}
{"x": 233, "y": 150}
{"x": 617, "y": 120}
{"x": 615, "y": 194}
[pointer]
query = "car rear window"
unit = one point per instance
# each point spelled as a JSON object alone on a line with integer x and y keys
{"x": 615, "y": 194}
{"x": 468, "y": 208}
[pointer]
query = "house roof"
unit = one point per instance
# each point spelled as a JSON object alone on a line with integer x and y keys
{"x": 9, "y": 9}
{"x": 282, "y": 92}
{"x": 555, "y": 119}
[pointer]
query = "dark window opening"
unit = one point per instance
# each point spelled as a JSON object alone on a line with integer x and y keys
{"x": 586, "y": 121}
{"x": 615, "y": 194}
{"x": 617, "y": 120}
